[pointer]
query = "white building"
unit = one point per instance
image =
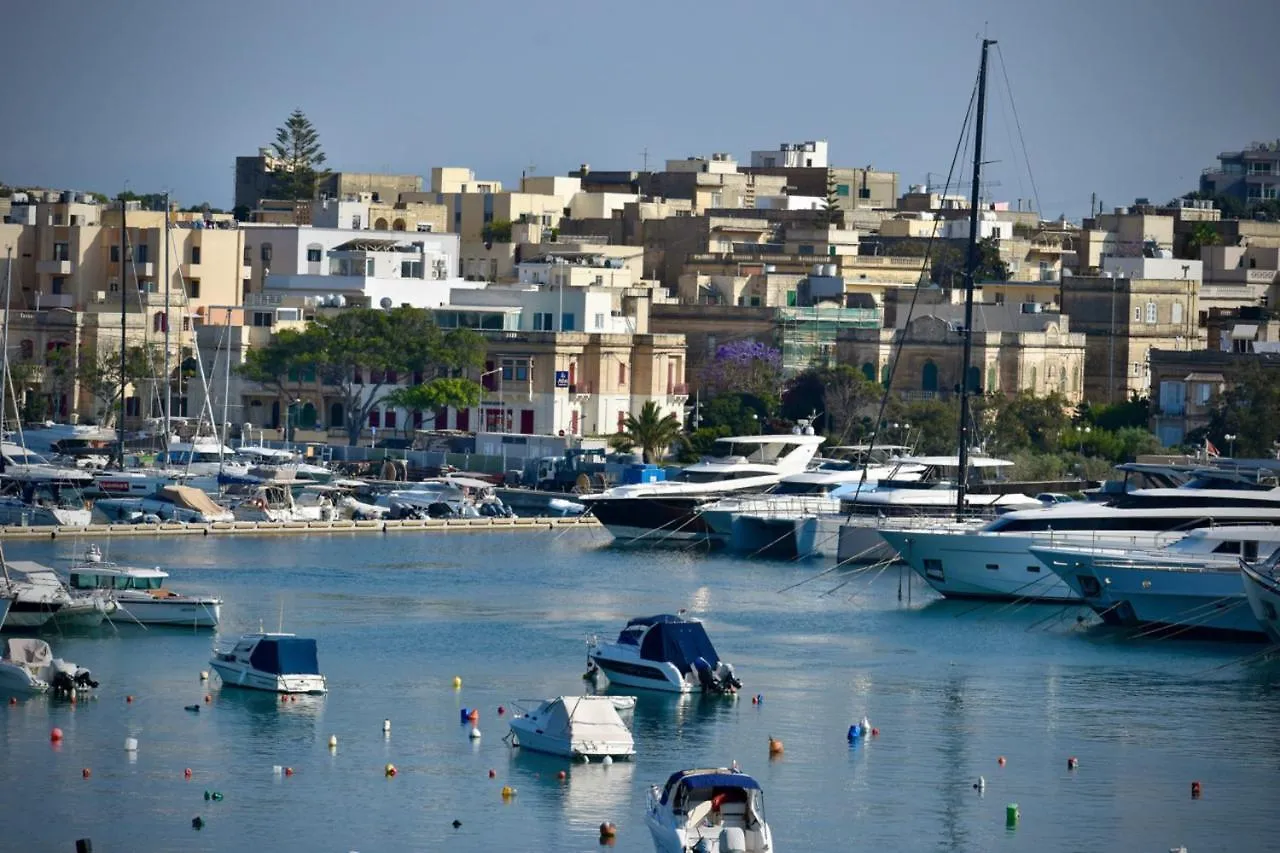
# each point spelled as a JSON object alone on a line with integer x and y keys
{"x": 793, "y": 155}
{"x": 1165, "y": 269}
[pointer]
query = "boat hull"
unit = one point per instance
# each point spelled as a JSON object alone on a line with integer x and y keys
{"x": 528, "y": 738}
{"x": 1263, "y": 594}
{"x": 28, "y": 615}
{"x": 4, "y": 610}
{"x": 652, "y": 520}
{"x": 234, "y": 676}
{"x": 16, "y": 679}
{"x": 187, "y": 613}
{"x": 645, "y": 675}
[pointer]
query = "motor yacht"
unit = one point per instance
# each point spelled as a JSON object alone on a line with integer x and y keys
{"x": 41, "y": 598}
{"x": 444, "y": 497}
{"x": 1262, "y": 589}
{"x": 920, "y": 487}
{"x": 38, "y": 496}
{"x": 671, "y": 653}
{"x": 275, "y": 500}
{"x": 994, "y": 561}
{"x": 718, "y": 810}
{"x": 1192, "y": 585}
{"x": 279, "y": 663}
{"x": 169, "y": 503}
{"x": 28, "y": 666}
{"x": 666, "y": 510}
{"x": 573, "y": 727}
{"x": 141, "y": 595}
{"x": 766, "y": 523}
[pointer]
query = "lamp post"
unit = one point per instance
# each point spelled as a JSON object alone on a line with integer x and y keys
{"x": 502, "y": 415}
{"x": 1231, "y": 444}
{"x": 1081, "y": 435}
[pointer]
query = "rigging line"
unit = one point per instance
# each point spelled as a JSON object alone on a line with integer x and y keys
{"x": 929, "y": 246}
{"x": 1008, "y": 132}
{"x": 1018, "y": 124}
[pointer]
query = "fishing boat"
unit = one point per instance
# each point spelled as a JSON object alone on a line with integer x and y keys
{"x": 717, "y": 810}
{"x": 671, "y": 653}
{"x": 1192, "y": 586}
{"x": 141, "y": 595}
{"x": 574, "y": 727}
{"x": 275, "y": 662}
{"x": 28, "y": 666}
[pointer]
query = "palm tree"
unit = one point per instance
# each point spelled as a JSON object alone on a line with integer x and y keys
{"x": 651, "y": 432}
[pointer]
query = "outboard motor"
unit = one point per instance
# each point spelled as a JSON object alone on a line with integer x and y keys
{"x": 706, "y": 676}
{"x": 725, "y": 674}
{"x": 62, "y": 683}
{"x": 440, "y": 509}
{"x": 84, "y": 678}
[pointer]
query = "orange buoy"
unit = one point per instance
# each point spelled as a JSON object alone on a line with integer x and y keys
{"x": 474, "y": 715}
{"x": 562, "y": 775}
{"x": 56, "y": 735}
{"x": 1195, "y": 790}
{"x": 875, "y": 732}
{"x": 775, "y": 746}
{"x": 288, "y": 771}
{"x": 1000, "y": 761}
{"x": 86, "y": 773}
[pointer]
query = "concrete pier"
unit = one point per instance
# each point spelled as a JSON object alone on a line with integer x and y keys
{"x": 277, "y": 528}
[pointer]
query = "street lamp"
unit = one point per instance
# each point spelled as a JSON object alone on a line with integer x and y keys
{"x": 502, "y": 414}
{"x": 755, "y": 419}
{"x": 1231, "y": 444}
{"x": 1081, "y": 434}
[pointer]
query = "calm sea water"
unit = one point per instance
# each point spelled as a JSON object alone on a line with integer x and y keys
{"x": 951, "y": 687}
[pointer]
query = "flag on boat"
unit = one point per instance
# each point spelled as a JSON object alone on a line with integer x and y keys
{"x": 1209, "y": 449}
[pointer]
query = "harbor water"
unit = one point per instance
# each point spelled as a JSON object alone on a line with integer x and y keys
{"x": 952, "y": 687}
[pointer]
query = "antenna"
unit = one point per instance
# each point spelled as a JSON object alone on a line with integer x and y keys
{"x": 645, "y": 155}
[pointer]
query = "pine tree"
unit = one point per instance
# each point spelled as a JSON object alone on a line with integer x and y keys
{"x": 831, "y": 213}
{"x": 300, "y": 158}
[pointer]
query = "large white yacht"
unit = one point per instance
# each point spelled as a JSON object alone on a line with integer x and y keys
{"x": 922, "y": 487}
{"x": 1262, "y": 589}
{"x": 666, "y": 510}
{"x": 1192, "y": 585}
{"x": 994, "y": 561}
{"x": 766, "y": 523}
{"x": 43, "y": 495}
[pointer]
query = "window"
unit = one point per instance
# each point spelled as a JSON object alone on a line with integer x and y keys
{"x": 61, "y": 252}
{"x": 542, "y": 322}
{"x": 806, "y": 248}
{"x": 1177, "y": 313}
{"x": 141, "y": 254}
{"x": 515, "y": 369}
{"x": 375, "y": 420}
{"x": 248, "y": 256}
{"x": 263, "y": 318}
{"x": 864, "y": 192}
{"x": 566, "y": 322}
{"x": 314, "y": 256}
{"x": 411, "y": 269}
{"x": 389, "y": 419}
{"x": 599, "y": 324}
{"x": 58, "y": 284}
{"x": 195, "y": 254}
{"x": 1137, "y": 313}
{"x": 622, "y": 373}
{"x": 159, "y": 322}
{"x": 115, "y": 254}
{"x": 791, "y": 300}
{"x": 1151, "y": 312}
{"x": 193, "y": 288}
{"x": 842, "y": 189}
{"x": 266, "y": 253}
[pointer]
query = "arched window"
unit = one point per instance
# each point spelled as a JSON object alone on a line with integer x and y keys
{"x": 929, "y": 377}
{"x": 1032, "y": 385}
{"x": 884, "y": 376}
{"x": 380, "y": 224}
{"x": 1062, "y": 379}
{"x": 159, "y": 322}
{"x": 398, "y": 225}
{"x": 307, "y": 419}
{"x": 991, "y": 379}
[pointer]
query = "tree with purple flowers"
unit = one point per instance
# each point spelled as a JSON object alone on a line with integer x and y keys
{"x": 744, "y": 367}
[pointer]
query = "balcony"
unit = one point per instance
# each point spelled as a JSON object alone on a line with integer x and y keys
{"x": 55, "y": 267}
{"x": 143, "y": 269}
{"x": 581, "y": 390}
{"x": 155, "y": 299}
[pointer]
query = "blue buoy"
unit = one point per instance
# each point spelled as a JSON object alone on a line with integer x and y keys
{"x": 465, "y": 713}
{"x": 855, "y": 732}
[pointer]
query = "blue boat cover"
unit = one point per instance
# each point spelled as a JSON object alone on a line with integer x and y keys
{"x": 695, "y": 780}
{"x": 680, "y": 643}
{"x": 285, "y": 656}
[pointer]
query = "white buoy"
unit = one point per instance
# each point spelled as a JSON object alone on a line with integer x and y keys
{"x": 333, "y": 741}
{"x": 866, "y": 727}
{"x": 475, "y": 733}
{"x": 386, "y": 727}
{"x": 981, "y": 784}
{"x": 586, "y": 759}
{"x": 130, "y": 744}
{"x": 204, "y": 675}
{"x": 277, "y": 770}
{"x": 608, "y": 759}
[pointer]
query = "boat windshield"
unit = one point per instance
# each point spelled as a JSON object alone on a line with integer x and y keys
{"x": 86, "y": 580}
{"x": 763, "y": 452}
{"x": 21, "y": 456}
{"x": 688, "y": 476}
{"x": 803, "y": 488}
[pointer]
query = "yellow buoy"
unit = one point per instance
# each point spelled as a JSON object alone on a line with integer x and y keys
{"x": 508, "y": 792}
{"x": 457, "y": 682}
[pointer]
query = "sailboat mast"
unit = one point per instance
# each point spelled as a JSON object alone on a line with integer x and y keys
{"x": 970, "y": 271}
{"x": 168, "y": 280}
{"x": 124, "y": 304}
{"x": 4, "y": 339}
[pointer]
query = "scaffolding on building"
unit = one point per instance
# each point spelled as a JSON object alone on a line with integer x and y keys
{"x": 808, "y": 335}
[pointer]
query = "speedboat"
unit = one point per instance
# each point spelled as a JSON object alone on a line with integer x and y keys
{"x": 993, "y": 561}
{"x": 445, "y": 497}
{"x": 667, "y": 652}
{"x": 141, "y": 595}
{"x": 574, "y": 727}
{"x": 666, "y": 510}
{"x": 919, "y": 488}
{"x": 713, "y": 810}
{"x": 40, "y": 597}
{"x": 279, "y": 663}
{"x": 1262, "y": 589}
{"x": 1192, "y": 586}
{"x": 28, "y": 666}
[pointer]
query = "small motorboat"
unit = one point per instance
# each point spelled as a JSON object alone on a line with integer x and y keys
{"x": 714, "y": 810}
{"x": 40, "y": 597}
{"x": 665, "y": 652}
{"x": 140, "y": 593}
{"x": 279, "y": 663}
{"x": 28, "y": 666}
{"x": 574, "y": 727}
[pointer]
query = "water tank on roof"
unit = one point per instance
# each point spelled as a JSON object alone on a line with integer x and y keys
{"x": 1032, "y": 308}
{"x": 829, "y": 270}
{"x": 770, "y": 268}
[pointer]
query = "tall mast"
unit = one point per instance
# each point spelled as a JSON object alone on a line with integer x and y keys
{"x": 4, "y": 342}
{"x": 168, "y": 280}
{"x": 124, "y": 250}
{"x": 970, "y": 270}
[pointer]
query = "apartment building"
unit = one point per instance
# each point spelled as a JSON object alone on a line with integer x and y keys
{"x": 1250, "y": 175}
{"x": 257, "y": 179}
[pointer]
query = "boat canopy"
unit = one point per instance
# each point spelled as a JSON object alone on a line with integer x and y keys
{"x": 590, "y": 717}
{"x": 674, "y": 640}
{"x": 191, "y": 498}
{"x": 697, "y": 780}
{"x": 285, "y": 656}
{"x": 32, "y": 652}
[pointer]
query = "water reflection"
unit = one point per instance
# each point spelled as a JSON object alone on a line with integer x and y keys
{"x": 264, "y": 720}
{"x": 590, "y": 793}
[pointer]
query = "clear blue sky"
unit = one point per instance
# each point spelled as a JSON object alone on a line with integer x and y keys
{"x": 1120, "y": 97}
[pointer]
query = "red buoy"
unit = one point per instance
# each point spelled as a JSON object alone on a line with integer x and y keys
{"x": 1072, "y": 763}
{"x": 208, "y": 698}
{"x": 284, "y": 697}
{"x": 56, "y": 735}
{"x": 128, "y": 699}
{"x": 13, "y": 700}
{"x": 1000, "y": 761}
{"x": 187, "y": 773}
{"x": 493, "y": 774}
{"x": 562, "y": 775}
{"x": 501, "y": 710}
{"x": 875, "y": 732}
{"x": 86, "y": 773}
{"x": 288, "y": 771}
{"x": 1195, "y": 790}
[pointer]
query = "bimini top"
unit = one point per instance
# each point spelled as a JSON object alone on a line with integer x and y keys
{"x": 670, "y": 638}
{"x": 285, "y": 656}
{"x": 698, "y": 780}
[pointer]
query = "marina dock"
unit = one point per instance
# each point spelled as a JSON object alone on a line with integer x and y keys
{"x": 265, "y": 528}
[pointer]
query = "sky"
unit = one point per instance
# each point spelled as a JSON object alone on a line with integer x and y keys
{"x": 1122, "y": 98}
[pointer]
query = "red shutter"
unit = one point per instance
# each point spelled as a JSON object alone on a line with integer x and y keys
{"x": 373, "y": 419}
{"x": 442, "y": 419}
{"x": 464, "y": 420}
{"x": 526, "y": 421}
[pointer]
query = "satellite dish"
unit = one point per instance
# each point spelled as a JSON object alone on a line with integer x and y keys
{"x": 386, "y": 303}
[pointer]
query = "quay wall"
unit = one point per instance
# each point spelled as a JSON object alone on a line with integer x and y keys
{"x": 284, "y": 528}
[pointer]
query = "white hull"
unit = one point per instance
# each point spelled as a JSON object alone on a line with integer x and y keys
{"x": 26, "y": 620}
{"x": 529, "y": 739}
{"x": 1263, "y": 594}
{"x": 16, "y": 679}
{"x": 84, "y": 614}
{"x": 651, "y": 536}
{"x": 17, "y": 514}
{"x": 185, "y": 612}
{"x": 819, "y": 535}
{"x": 234, "y": 676}
{"x": 662, "y": 676}
{"x": 1206, "y": 601}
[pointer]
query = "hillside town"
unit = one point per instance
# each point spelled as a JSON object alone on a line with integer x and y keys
{"x": 599, "y": 291}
